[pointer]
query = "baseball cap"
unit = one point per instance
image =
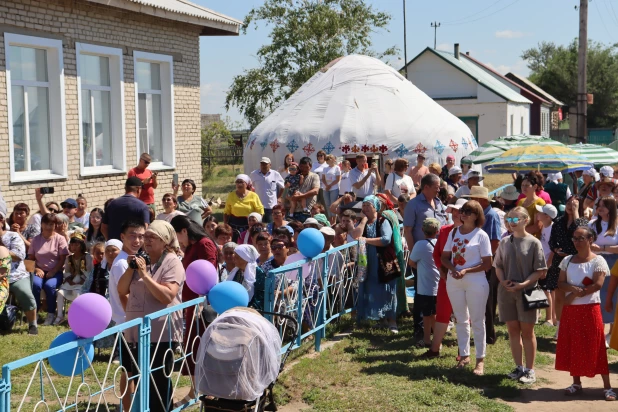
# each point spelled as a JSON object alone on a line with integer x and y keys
{"x": 450, "y": 157}
{"x": 328, "y": 231}
{"x": 458, "y": 204}
{"x": 549, "y": 210}
{"x": 312, "y": 221}
{"x": 607, "y": 171}
{"x": 454, "y": 170}
{"x": 71, "y": 203}
{"x": 322, "y": 219}
{"x": 133, "y": 181}
{"x": 265, "y": 160}
{"x": 474, "y": 173}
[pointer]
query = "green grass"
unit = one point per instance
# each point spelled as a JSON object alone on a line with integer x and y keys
{"x": 375, "y": 370}
{"x": 219, "y": 182}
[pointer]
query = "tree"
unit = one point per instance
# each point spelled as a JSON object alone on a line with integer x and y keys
{"x": 217, "y": 134}
{"x": 554, "y": 69}
{"x": 306, "y": 35}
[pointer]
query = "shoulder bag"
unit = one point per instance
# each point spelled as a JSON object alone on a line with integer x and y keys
{"x": 534, "y": 298}
{"x": 388, "y": 265}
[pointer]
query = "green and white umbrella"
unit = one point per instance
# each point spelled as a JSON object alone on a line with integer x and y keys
{"x": 491, "y": 150}
{"x": 599, "y": 155}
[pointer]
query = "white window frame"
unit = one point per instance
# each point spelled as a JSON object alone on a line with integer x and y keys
{"x": 56, "y": 105}
{"x": 116, "y": 88}
{"x": 167, "y": 108}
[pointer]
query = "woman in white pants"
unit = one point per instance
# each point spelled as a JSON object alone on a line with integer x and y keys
{"x": 467, "y": 256}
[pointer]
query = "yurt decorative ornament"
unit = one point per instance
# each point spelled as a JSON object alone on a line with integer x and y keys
{"x": 292, "y": 146}
{"x": 328, "y": 148}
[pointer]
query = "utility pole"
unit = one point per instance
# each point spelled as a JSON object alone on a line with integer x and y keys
{"x": 405, "y": 48}
{"x": 582, "y": 95}
{"x": 435, "y": 26}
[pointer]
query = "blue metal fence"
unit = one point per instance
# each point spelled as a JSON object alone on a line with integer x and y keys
{"x": 314, "y": 291}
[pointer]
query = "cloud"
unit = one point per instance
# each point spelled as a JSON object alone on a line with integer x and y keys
{"x": 519, "y": 68}
{"x": 510, "y": 34}
{"x": 445, "y": 47}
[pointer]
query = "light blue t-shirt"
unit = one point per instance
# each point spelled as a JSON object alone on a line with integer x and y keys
{"x": 428, "y": 274}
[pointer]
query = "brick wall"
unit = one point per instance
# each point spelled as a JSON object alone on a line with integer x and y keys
{"x": 74, "y": 21}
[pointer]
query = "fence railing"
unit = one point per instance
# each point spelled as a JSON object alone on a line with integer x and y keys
{"x": 314, "y": 291}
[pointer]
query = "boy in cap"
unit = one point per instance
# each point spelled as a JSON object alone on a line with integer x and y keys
{"x": 421, "y": 258}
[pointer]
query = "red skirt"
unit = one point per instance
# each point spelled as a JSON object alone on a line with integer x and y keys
{"x": 581, "y": 341}
{"x": 443, "y": 304}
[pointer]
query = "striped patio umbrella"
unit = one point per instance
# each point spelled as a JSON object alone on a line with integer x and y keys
{"x": 599, "y": 155}
{"x": 490, "y": 150}
{"x": 547, "y": 159}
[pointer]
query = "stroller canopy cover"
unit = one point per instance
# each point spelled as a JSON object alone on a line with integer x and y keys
{"x": 238, "y": 357}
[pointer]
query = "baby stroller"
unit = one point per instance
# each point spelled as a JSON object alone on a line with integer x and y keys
{"x": 239, "y": 360}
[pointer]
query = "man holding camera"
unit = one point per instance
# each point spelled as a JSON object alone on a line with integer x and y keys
{"x": 148, "y": 178}
{"x": 364, "y": 180}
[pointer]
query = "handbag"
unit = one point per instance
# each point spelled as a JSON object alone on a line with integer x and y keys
{"x": 534, "y": 299}
{"x": 8, "y": 317}
{"x": 389, "y": 265}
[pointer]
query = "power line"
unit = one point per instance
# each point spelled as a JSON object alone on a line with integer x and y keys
{"x": 613, "y": 11}
{"x": 474, "y": 14}
{"x": 596, "y": 5}
{"x": 483, "y": 17}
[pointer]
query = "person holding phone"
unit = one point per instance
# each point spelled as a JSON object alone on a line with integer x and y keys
{"x": 148, "y": 178}
{"x": 520, "y": 263}
{"x": 581, "y": 341}
{"x": 364, "y": 180}
{"x": 189, "y": 201}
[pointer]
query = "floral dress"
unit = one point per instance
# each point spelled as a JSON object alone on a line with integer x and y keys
{"x": 560, "y": 238}
{"x": 4, "y": 282}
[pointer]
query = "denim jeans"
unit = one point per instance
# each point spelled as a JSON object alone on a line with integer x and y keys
{"x": 329, "y": 198}
{"x": 49, "y": 286}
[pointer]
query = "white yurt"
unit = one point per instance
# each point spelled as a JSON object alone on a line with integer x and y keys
{"x": 358, "y": 104}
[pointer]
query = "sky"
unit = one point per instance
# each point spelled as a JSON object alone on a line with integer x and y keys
{"x": 496, "y": 32}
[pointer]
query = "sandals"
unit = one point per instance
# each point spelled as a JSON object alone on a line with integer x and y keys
{"x": 610, "y": 395}
{"x": 462, "y": 363}
{"x": 421, "y": 344}
{"x": 479, "y": 369}
{"x": 574, "y": 389}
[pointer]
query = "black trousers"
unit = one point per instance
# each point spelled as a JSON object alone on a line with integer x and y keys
{"x": 490, "y": 308}
{"x": 417, "y": 315}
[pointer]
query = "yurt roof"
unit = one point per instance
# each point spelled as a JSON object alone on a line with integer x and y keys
{"x": 358, "y": 104}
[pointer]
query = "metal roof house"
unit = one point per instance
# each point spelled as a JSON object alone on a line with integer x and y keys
{"x": 489, "y": 105}
{"x": 88, "y": 85}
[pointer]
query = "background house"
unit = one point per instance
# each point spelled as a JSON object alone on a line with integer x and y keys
{"x": 87, "y": 85}
{"x": 488, "y": 106}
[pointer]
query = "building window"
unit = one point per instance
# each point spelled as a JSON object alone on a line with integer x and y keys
{"x": 155, "y": 108}
{"x": 37, "y": 134}
{"x": 101, "y": 109}
{"x": 512, "y": 127}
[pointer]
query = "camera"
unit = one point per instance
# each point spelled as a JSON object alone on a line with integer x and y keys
{"x": 143, "y": 255}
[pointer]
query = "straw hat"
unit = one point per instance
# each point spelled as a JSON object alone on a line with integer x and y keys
{"x": 478, "y": 192}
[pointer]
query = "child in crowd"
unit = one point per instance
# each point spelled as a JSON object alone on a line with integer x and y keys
{"x": 77, "y": 271}
{"x": 421, "y": 258}
{"x": 293, "y": 182}
{"x": 345, "y": 185}
{"x": 546, "y": 215}
{"x": 81, "y": 215}
{"x": 223, "y": 234}
{"x": 99, "y": 272}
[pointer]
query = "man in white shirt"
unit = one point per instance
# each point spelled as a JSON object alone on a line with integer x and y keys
{"x": 474, "y": 179}
{"x": 132, "y": 236}
{"x": 268, "y": 186}
{"x": 364, "y": 180}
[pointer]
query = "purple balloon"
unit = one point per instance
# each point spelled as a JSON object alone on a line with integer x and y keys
{"x": 201, "y": 276}
{"x": 89, "y": 315}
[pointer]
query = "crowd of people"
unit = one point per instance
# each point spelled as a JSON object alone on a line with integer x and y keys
{"x": 472, "y": 256}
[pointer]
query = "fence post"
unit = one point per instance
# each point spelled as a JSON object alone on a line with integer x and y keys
{"x": 321, "y": 333}
{"x": 143, "y": 390}
{"x": 269, "y": 295}
{"x": 5, "y": 390}
{"x": 299, "y": 310}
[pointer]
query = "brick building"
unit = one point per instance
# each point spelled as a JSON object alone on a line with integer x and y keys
{"x": 70, "y": 116}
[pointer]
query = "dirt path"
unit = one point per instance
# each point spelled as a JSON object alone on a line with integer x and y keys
{"x": 549, "y": 397}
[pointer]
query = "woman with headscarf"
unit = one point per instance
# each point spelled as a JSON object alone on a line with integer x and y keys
{"x": 379, "y": 230}
{"x": 240, "y": 204}
{"x": 189, "y": 201}
{"x": 151, "y": 288}
{"x": 196, "y": 245}
{"x": 248, "y": 274}
{"x": 245, "y": 236}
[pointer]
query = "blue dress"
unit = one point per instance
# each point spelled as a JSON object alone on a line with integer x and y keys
{"x": 376, "y": 300}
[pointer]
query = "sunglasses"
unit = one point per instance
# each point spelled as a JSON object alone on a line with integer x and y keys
{"x": 468, "y": 212}
{"x": 512, "y": 220}
{"x": 53, "y": 210}
{"x": 277, "y": 246}
{"x": 320, "y": 155}
{"x": 145, "y": 161}
{"x": 579, "y": 238}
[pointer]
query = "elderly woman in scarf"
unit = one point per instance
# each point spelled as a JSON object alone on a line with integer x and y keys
{"x": 240, "y": 204}
{"x": 150, "y": 288}
{"x": 379, "y": 230}
{"x": 249, "y": 274}
{"x": 245, "y": 237}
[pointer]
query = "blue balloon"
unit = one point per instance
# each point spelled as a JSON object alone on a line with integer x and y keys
{"x": 310, "y": 242}
{"x": 228, "y": 295}
{"x": 63, "y": 362}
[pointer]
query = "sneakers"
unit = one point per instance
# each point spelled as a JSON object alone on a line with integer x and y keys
{"x": 517, "y": 373}
{"x": 607, "y": 339}
{"x": 33, "y": 330}
{"x": 548, "y": 324}
{"x": 450, "y": 326}
{"x": 58, "y": 320}
{"x": 528, "y": 378}
{"x": 49, "y": 319}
